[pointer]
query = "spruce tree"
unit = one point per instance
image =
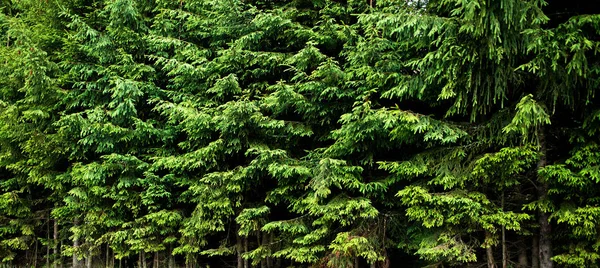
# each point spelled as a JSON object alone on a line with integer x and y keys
{"x": 109, "y": 123}
{"x": 30, "y": 154}
{"x": 299, "y": 133}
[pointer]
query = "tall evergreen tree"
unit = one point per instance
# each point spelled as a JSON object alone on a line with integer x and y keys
{"x": 299, "y": 133}
{"x": 109, "y": 122}
{"x": 30, "y": 154}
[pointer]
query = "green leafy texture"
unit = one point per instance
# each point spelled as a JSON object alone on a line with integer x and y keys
{"x": 298, "y": 133}
{"x": 29, "y": 149}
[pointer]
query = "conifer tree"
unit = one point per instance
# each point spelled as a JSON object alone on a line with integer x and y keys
{"x": 299, "y": 133}
{"x": 30, "y": 155}
{"x": 110, "y": 125}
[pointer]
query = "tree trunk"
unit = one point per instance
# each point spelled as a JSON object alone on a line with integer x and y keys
{"x": 262, "y": 242}
{"x": 55, "y": 246}
{"x": 522, "y": 255}
{"x": 48, "y": 242}
{"x": 60, "y": 258}
{"x": 269, "y": 259}
{"x": 88, "y": 260}
{"x": 246, "y": 250}
{"x": 490, "y": 257}
{"x": 75, "y": 246}
{"x": 156, "y": 260}
{"x": 239, "y": 246}
{"x": 504, "y": 251}
{"x": 144, "y": 265}
{"x": 35, "y": 253}
{"x": 545, "y": 242}
{"x": 171, "y": 260}
{"x": 489, "y": 252}
{"x": 107, "y": 261}
{"x": 278, "y": 260}
{"x": 75, "y": 260}
{"x": 386, "y": 262}
{"x": 535, "y": 252}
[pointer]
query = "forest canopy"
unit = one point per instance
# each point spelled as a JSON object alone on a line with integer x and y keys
{"x": 299, "y": 133}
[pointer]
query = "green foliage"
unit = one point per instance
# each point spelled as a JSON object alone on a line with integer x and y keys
{"x": 298, "y": 133}
{"x": 530, "y": 117}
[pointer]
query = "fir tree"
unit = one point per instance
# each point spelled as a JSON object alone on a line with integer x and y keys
{"x": 299, "y": 133}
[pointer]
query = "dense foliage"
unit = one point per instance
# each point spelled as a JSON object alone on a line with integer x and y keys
{"x": 299, "y": 133}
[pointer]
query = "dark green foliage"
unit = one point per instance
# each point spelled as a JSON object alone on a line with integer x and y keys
{"x": 299, "y": 133}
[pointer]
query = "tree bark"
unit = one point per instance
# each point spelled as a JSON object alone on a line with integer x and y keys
{"x": 156, "y": 260}
{"x": 535, "y": 252}
{"x": 262, "y": 242}
{"x": 239, "y": 247}
{"x": 490, "y": 257}
{"x": 171, "y": 260}
{"x": 246, "y": 250}
{"x": 523, "y": 263}
{"x": 48, "y": 243}
{"x": 545, "y": 242}
{"x": 60, "y": 258}
{"x": 278, "y": 260}
{"x": 75, "y": 246}
{"x": 386, "y": 262}
{"x": 88, "y": 260}
{"x": 489, "y": 252}
{"x": 35, "y": 253}
{"x": 107, "y": 261}
{"x": 504, "y": 251}
{"x": 269, "y": 259}
{"x": 386, "y": 259}
{"x": 144, "y": 265}
{"x": 55, "y": 246}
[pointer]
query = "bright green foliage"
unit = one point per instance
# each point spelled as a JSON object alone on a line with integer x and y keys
{"x": 575, "y": 183}
{"x": 29, "y": 152}
{"x": 112, "y": 198}
{"x": 299, "y": 133}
